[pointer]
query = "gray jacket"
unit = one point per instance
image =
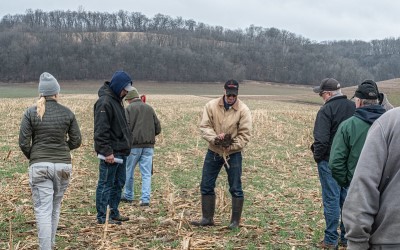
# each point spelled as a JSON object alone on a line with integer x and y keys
{"x": 51, "y": 139}
{"x": 371, "y": 210}
{"x": 385, "y": 102}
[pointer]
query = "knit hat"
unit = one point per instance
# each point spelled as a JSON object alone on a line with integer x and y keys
{"x": 132, "y": 94}
{"x": 231, "y": 87}
{"x": 119, "y": 81}
{"x": 370, "y": 82}
{"x": 48, "y": 85}
{"x": 327, "y": 84}
{"x": 380, "y": 95}
{"x": 366, "y": 91}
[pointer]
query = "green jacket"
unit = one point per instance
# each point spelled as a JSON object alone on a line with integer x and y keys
{"x": 371, "y": 210}
{"x": 52, "y": 138}
{"x": 143, "y": 124}
{"x": 349, "y": 141}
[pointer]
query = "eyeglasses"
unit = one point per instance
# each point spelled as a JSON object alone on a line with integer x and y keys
{"x": 322, "y": 93}
{"x": 231, "y": 95}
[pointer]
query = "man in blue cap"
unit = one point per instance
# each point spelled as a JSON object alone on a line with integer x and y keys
{"x": 111, "y": 142}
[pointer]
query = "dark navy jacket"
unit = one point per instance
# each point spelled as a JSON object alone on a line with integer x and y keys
{"x": 111, "y": 132}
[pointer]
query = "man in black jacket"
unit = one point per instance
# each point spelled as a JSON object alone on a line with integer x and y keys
{"x": 112, "y": 143}
{"x": 336, "y": 109}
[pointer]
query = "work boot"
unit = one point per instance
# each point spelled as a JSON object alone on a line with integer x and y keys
{"x": 110, "y": 222}
{"x": 237, "y": 207}
{"x": 323, "y": 245}
{"x": 207, "y": 209}
{"x": 121, "y": 218}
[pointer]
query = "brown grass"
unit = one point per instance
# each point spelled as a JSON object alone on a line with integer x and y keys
{"x": 282, "y": 206}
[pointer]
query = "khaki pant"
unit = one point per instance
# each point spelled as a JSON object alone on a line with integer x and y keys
{"x": 48, "y": 183}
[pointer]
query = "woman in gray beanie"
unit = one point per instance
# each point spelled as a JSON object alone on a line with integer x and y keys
{"x": 48, "y": 132}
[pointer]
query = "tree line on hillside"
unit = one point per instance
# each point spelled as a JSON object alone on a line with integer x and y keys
{"x": 79, "y": 45}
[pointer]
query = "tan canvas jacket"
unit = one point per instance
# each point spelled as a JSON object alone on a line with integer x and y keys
{"x": 235, "y": 121}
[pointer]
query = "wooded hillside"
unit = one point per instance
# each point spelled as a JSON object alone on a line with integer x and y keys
{"x": 79, "y": 45}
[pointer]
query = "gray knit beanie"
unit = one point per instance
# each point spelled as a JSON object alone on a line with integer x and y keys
{"x": 48, "y": 85}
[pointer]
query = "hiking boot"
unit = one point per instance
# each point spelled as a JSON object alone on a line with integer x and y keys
{"x": 144, "y": 204}
{"x": 120, "y": 218}
{"x": 324, "y": 245}
{"x": 123, "y": 199}
{"x": 110, "y": 222}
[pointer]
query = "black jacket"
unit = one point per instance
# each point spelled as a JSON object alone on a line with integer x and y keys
{"x": 111, "y": 132}
{"x": 330, "y": 115}
{"x": 52, "y": 138}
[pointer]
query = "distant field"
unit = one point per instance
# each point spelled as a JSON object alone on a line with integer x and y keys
{"x": 248, "y": 89}
{"x": 283, "y": 207}
{"x": 157, "y": 88}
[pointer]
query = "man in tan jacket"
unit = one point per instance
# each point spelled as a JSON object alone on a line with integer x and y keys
{"x": 223, "y": 117}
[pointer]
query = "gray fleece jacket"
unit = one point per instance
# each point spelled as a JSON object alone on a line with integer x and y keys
{"x": 371, "y": 212}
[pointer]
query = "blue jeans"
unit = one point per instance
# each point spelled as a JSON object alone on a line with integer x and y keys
{"x": 333, "y": 197}
{"x": 213, "y": 163}
{"x": 109, "y": 188}
{"x": 143, "y": 156}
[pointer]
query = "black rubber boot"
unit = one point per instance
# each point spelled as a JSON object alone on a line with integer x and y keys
{"x": 207, "y": 208}
{"x": 237, "y": 207}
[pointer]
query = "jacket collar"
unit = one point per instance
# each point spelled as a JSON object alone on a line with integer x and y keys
{"x": 106, "y": 90}
{"x": 336, "y": 97}
{"x": 135, "y": 100}
{"x": 235, "y": 106}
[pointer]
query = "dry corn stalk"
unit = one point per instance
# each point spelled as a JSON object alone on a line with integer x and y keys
{"x": 171, "y": 203}
{"x": 106, "y": 223}
{"x": 11, "y": 238}
{"x": 8, "y": 155}
{"x": 186, "y": 243}
{"x": 225, "y": 143}
{"x": 222, "y": 200}
{"x": 170, "y": 197}
{"x": 181, "y": 221}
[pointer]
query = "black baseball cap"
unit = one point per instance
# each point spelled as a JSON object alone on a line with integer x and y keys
{"x": 366, "y": 91}
{"x": 327, "y": 84}
{"x": 232, "y": 87}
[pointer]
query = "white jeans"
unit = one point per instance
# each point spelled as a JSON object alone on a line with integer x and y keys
{"x": 48, "y": 183}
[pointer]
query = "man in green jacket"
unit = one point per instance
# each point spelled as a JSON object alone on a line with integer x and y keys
{"x": 350, "y": 137}
{"x": 144, "y": 127}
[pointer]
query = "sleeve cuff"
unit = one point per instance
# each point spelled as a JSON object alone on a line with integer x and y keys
{"x": 352, "y": 245}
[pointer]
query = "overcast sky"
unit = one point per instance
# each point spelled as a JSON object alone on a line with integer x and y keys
{"x": 318, "y": 20}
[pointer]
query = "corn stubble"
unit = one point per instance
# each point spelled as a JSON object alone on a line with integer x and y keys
{"x": 282, "y": 201}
